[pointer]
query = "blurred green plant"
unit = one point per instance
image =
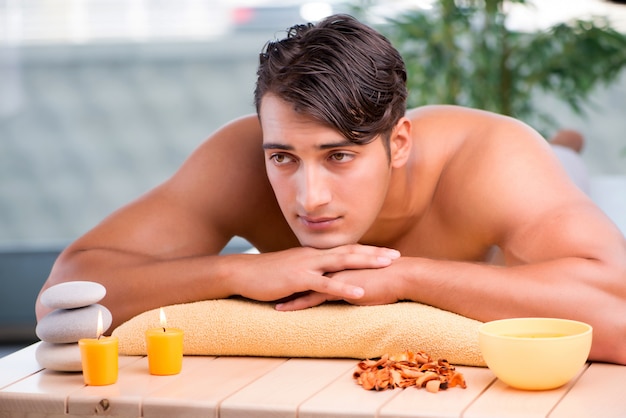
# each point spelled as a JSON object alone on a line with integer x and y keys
{"x": 462, "y": 52}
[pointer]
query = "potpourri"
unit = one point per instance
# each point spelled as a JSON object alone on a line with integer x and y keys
{"x": 408, "y": 369}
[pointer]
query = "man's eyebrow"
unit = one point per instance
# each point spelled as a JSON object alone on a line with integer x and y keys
{"x": 345, "y": 143}
{"x": 272, "y": 145}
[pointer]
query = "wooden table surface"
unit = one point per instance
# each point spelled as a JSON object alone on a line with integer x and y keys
{"x": 280, "y": 387}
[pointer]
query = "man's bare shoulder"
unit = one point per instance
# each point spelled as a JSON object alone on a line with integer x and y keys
{"x": 451, "y": 117}
{"x": 463, "y": 132}
{"x": 243, "y": 133}
{"x": 226, "y": 167}
{"x": 220, "y": 191}
{"x": 225, "y": 179}
{"x": 498, "y": 181}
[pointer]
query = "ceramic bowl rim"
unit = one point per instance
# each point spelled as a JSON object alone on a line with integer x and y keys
{"x": 586, "y": 329}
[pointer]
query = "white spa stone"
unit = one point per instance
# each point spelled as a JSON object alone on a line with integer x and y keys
{"x": 70, "y": 295}
{"x": 63, "y": 326}
{"x": 59, "y": 357}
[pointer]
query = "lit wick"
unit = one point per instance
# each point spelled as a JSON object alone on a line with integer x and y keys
{"x": 163, "y": 319}
{"x": 99, "y": 329}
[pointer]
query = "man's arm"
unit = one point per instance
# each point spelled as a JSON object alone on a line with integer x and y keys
{"x": 164, "y": 247}
{"x": 563, "y": 257}
{"x": 587, "y": 283}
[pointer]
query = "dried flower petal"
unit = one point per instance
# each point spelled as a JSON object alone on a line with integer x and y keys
{"x": 433, "y": 385}
{"x": 407, "y": 369}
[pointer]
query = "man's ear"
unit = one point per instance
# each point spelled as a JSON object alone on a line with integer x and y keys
{"x": 400, "y": 143}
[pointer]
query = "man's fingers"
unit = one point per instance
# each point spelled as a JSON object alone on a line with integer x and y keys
{"x": 334, "y": 288}
{"x": 303, "y": 302}
{"x": 337, "y": 261}
{"x": 367, "y": 249}
{"x": 347, "y": 257}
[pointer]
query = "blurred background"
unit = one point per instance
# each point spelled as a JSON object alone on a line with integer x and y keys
{"x": 101, "y": 100}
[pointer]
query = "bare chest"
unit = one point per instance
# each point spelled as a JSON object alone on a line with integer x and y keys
{"x": 432, "y": 238}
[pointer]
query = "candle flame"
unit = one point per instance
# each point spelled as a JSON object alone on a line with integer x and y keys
{"x": 99, "y": 329}
{"x": 163, "y": 319}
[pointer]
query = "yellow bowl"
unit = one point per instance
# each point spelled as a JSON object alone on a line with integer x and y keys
{"x": 535, "y": 353}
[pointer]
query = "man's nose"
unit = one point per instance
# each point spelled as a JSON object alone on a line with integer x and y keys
{"x": 313, "y": 189}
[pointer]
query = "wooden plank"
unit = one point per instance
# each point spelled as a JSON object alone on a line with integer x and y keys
{"x": 503, "y": 401}
{"x": 44, "y": 392}
{"x": 18, "y": 365}
{"x": 40, "y": 394}
{"x": 345, "y": 398}
{"x": 279, "y": 393}
{"x": 452, "y": 402}
{"x": 598, "y": 393}
{"x": 277, "y": 387}
{"x": 123, "y": 398}
{"x": 16, "y": 414}
{"x": 200, "y": 393}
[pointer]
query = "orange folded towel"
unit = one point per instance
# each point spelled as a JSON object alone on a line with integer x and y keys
{"x": 247, "y": 328}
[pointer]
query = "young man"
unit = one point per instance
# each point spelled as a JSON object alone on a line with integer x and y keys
{"x": 347, "y": 196}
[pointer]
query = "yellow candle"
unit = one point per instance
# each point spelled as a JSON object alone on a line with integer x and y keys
{"x": 165, "y": 349}
{"x": 99, "y": 358}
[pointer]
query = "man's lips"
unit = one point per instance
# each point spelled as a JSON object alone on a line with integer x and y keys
{"x": 318, "y": 223}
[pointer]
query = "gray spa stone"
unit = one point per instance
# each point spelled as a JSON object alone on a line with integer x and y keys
{"x": 70, "y": 295}
{"x": 63, "y": 326}
{"x": 59, "y": 357}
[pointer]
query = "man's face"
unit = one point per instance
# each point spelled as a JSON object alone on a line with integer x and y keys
{"x": 329, "y": 189}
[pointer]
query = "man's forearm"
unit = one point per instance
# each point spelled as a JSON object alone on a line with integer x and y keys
{"x": 592, "y": 291}
{"x": 137, "y": 283}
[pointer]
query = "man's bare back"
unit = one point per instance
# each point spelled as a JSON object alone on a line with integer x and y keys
{"x": 415, "y": 211}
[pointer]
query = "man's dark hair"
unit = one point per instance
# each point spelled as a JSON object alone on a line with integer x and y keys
{"x": 340, "y": 72}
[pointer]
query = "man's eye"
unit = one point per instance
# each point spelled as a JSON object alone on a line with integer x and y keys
{"x": 280, "y": 158}
{"x": 341, "y": 156}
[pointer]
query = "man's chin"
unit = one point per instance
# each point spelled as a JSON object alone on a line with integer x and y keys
{"x": 325, "y": 242}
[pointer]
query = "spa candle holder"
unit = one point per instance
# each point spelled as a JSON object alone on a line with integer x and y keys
{"x": 99, "y": 358}
{"x": 165, "y": 349}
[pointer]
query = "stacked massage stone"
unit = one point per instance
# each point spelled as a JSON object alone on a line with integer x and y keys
{"x": 74, "y": 316}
